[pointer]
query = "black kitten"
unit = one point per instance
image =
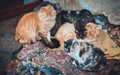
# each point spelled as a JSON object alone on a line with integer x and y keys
{"x": 101, "y": 19}
{"x": 83, "y": 18}
{"x": 85, "y": 55}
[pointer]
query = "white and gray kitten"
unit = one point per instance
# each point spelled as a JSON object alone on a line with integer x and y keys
{"x": 85, "y": 56}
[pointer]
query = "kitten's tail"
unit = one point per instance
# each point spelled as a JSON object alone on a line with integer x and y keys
{"x": 54, "y": 43}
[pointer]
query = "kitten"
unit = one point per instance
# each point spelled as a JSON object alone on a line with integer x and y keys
{"x": 35, "y": 24}
{"x": 83, "y": 18}
{"x": 101, "y": 19}
{"x": 92, "y": 30}
{"x": 85, "y": 56}
{"x": 103, "y": 41}
{"x": 65, "y": 32}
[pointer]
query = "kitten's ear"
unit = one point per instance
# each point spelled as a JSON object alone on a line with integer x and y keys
{"x": 76, "y": 45}
{"x": 52, "y": 8}
{"x": 87, "y": 27}
{"x": 41, "y": 10}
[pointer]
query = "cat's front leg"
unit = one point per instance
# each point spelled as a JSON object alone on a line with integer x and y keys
{"x": 74, "y": 63}
{"x": 49, "y": 36}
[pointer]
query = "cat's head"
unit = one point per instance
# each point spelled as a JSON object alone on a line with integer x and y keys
{"x": 47, "y": 13}
{"x": 56, "y": 6}
{"x": 92, "y": 30}
{"x": 87, "y": 56}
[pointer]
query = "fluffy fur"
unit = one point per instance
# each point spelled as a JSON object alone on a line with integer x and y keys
{"x": 78, "y": 18}
{"x": 35, "y": 24}
{"x": 103, "y": 41}
{"x": 106, "y": 44}
{"x": 59, "y": 22}
{"x": 114, "y": 32}
{"x": 64, "y": 33}
{"x": 101, "y": 19}
{"x": 92, "y": 30}
{"x": 83, "y": 18}
{"x": 63, "y": 17}
{"x": 86, "y": 56}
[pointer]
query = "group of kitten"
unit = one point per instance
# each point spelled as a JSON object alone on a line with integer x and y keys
{"x": 69, "y": 30}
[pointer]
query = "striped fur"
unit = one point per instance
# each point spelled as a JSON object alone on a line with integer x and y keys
{"x": 86, "y": 56}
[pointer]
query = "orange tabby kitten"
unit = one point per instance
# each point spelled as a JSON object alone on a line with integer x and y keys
{"x": 64, "y": 33}
{"x": 35, "y": 24}
{"x": 92, "y": 30}
{"x": 103, "y": 41}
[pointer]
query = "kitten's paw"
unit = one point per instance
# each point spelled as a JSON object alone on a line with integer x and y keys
{"x": 25, "y": 41}
{"x": 74, "y": 63}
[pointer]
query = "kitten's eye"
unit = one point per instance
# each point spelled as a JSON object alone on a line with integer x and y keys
{"x": 42, "y": 10}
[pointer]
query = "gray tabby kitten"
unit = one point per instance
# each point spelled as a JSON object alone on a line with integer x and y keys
{"x": 85, "y": 56}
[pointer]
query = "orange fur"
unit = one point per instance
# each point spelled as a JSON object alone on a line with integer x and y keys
{"x": 92, "y": 31}
{"x": 64, "y": 33}
{"x": 103, "y": 41}
{"x": 35, "y": 24}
